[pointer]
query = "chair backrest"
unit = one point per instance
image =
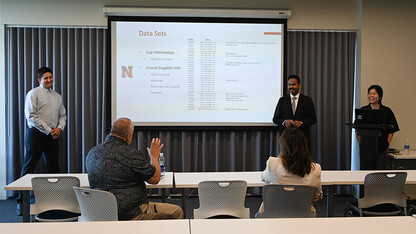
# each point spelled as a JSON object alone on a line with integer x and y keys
{"x": 287, "y": 201}
{"x": 96, "y": 205}
{"x": 222, "y": 198}
{"x": 383, "y": 188}
{"x": 54, "y": 193}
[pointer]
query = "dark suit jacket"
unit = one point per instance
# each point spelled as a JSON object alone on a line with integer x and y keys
{"x": 305, "y": 112}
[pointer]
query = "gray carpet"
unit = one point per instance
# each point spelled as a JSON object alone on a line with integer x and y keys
{"x": 8, "y": 207}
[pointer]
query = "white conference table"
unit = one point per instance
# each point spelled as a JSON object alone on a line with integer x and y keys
{"x": 402, "y": 161}
{"x": 357, "y": 177}
{"x": 401, "y": 155}
{"x": 131, "y": 227}
{"x": 192, "y": 179}
{"x": 24, "y": 184}
{"x": 358, "y": 225}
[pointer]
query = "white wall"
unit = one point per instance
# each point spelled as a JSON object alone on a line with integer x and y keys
{"x": 389, "y": 59}
{"x": 306, "y": 14}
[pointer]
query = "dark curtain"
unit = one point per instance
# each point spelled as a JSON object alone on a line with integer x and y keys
{"x": 76, "y": 56}
{"x": 324, "y": 61}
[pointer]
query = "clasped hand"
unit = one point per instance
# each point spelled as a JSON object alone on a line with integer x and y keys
{"x": 293, "y": 123}
{"x": 55, "y": 133}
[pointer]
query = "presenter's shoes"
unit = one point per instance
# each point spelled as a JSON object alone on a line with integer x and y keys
{"x": 19, "y": 209}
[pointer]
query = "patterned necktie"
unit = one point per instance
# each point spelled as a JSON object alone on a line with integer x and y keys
{"x": 294, "y": 105}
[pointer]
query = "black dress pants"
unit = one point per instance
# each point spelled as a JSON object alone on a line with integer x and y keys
{"x": 38, "y": 144}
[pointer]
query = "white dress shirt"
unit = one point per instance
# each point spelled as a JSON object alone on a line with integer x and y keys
{"x": 296, "y": 104}
{"x": 296, "y": 100}
{"x": 44, "y": 110}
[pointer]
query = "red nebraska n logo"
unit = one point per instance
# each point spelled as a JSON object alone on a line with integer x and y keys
{"x": 127, "y": 71}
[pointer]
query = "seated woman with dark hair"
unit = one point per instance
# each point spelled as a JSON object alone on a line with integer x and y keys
{"x": 294, "y": 165}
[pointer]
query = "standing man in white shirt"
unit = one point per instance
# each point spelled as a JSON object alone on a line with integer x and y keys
{"x": 46, "y": 119}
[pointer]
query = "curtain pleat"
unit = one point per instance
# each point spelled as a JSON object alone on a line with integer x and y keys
{"x": 77, "y": 56}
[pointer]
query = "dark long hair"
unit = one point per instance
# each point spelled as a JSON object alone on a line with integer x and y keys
{"x": 294, "y": 152}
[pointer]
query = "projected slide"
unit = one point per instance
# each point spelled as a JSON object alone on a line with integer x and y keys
{"x": 190, "y": 74}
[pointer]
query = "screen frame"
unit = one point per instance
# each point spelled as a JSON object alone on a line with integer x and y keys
{"x": 187, "y": 19}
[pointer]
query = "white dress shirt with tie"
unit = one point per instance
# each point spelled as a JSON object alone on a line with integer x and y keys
{"x": 294, "y": 100}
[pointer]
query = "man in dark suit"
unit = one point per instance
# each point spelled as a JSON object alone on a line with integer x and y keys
{"x": 295, "y": 110}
